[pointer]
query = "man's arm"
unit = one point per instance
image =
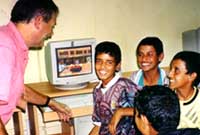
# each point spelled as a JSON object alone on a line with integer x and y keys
{"x": 119, "y": 113}
{"x": 2, "y": 128}
{"x": 34, "y": 97}
{"x": 22, "y": 103}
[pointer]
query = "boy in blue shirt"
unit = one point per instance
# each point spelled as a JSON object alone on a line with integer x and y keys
{"x": 149, "y": 55}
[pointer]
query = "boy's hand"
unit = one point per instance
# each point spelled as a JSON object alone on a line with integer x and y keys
{"x": 119, "y": 113}
{"x": 63, "y": 111}
{"x": 115, "y": 120}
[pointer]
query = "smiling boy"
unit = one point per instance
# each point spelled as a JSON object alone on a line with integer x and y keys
{"x": 184, "y": 78}
{"x": 112, "y": 92}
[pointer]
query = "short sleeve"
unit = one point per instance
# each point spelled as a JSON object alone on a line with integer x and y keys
{"x": 95, "y": 115}
{"x": 127, "y": 95}
{"x": 6, "y": 62}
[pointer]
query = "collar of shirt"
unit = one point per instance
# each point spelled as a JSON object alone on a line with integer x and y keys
{"x": 18, "y": 36}
{"x": 192, "y": 98}
{"x": 19, "y": 42}
{"x": 110, "y": 84}
{"x": 161, "y": 81}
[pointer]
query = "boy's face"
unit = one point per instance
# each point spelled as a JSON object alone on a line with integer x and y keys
{"x": 147, "y": 58}
{"x": 177, "y": 75}
{"x": 105, "y": 67}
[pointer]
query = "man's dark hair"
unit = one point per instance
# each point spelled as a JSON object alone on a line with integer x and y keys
{"x": 110, "y": 48}
{"x": 192, "y": 63}
{"x": 152, "y": 41}
{"x": 25, "y": 10}
{"x": 160, "y": 105}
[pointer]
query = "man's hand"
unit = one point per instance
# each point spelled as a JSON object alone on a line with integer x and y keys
{"x": 34, "y": 97}
{"x": 63, "y": 111}
{"x": 22, "y": 104}
{"x": 2, "y": 128}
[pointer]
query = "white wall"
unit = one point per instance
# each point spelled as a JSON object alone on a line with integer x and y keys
{"x": 5, "y": 7}
{"x": 125, "y": 22}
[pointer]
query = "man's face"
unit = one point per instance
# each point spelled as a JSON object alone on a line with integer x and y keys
{"x": 44, "y": 31}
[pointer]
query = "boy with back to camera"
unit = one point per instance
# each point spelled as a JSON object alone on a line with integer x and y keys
{"x": 184, "y": 77}
{"x": 150, "y": 54}
{"x": 157, "y": 112}
{"x": 112, "y": 92}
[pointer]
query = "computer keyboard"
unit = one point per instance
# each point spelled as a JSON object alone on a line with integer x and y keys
{"x": 74, "y": 101}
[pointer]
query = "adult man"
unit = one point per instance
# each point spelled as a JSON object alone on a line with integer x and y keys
{"x": 157, "y": 112}
{"x": 32, "y": 22}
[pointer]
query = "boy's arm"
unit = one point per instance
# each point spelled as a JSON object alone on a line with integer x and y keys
{"x": 95, "y": 130}
{"x": 119, "y": 113}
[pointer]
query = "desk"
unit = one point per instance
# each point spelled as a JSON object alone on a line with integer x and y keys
{"x": 47, "y": 89}
{"x": 17, "y": 122}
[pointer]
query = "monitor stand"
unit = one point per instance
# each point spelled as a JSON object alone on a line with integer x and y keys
{"x": 72, "y": 87}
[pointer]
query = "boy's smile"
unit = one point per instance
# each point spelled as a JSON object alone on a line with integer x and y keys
{"x": 178, "y": 76}
{"x": 105, "y": 67}
{"x": 147, "y": 58}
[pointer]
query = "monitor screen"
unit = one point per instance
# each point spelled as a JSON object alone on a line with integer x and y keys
{"x": 70, "y": 63}
{"x": 74, "y": 61}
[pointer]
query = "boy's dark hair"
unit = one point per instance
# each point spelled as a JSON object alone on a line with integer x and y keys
{"x": 25, "y": 10}
{"x": 192, "y": 63}
{"x": 110, "y": 48}
{"x": 152, "y": 41}
{"x": 183, "y": 131}
{"x": 160, "y": 105}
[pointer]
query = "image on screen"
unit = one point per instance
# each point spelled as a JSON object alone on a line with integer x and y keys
{"x": 73, "y": 61}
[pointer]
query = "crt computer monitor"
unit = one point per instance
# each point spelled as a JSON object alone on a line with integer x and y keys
{"x": 70, "y": 63}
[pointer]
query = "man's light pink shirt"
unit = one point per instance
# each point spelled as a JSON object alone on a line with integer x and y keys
{"x": 13, "y": 60}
